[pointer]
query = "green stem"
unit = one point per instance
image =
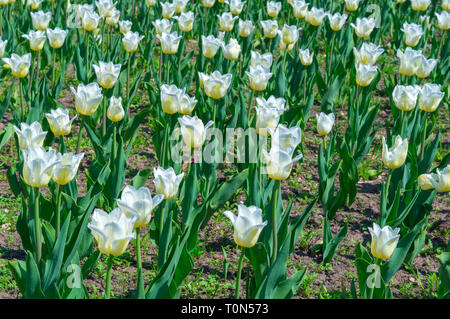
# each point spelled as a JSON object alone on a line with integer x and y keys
{"x": 108, "y": 278}
{"x": 388, "y": 182}
{"x": 80, "y": 133}
{"x": 114, "y": 145}
{"x": 238, "y": 277}
{"x": 168, "y": 69}
{"x": 53, "y": 71}
{"x": 424, "y": 135}
{"x": 140, "y": 278}
{"x": 377, "y": 262}
{"x": 37, "y": 225}
{"x": 87, "y": 54}
{"x": 22, "y": 112}
{"x": 58, "y": 209}
{"x": 128, "y": 77}
{"x": 160, "y": 65}
{"x": 274, "y": 221}
{"x": 402, "y": 123}
{"x": 104, "y": 116}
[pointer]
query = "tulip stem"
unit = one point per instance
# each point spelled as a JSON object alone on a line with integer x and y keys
{"x": 402, "y": 123}
{"x": 108, "y": 277}
{"x": 424, "y": 135}
{"x": 140, "y": 278}
{"x": 168, "y": 69}
{"x": 87, "y": 54}
{"x": 37, "y": 226}
{"x": 372, "y": 289}
{"x": 114, "y": 145}
{"x": 53, "y": 72}
{"x": 58, "y": 209}
{"x": 104, "y": 117}
{"x": 388, "y": 182}
{"x": 80, "y": 133}
{"x": 274, "y": 221}
{"x": 160, "y": 66}
{"x": 238, "y": 276}
{"x": 128, "y": 78}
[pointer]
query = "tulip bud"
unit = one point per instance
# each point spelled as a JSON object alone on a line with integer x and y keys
{"x": 396, "y": 155}
{"x": 37, "y": 39}
{"x": 247, "y": 225}
{"x": 430, "y": 96}
{"x": 409, "y": 61}
{"x": 56, "y": 37}
{"x": 258, "y": 77}
{"x": 352, "y": 5}
{"x": 30, "y": 135}
{"x": 420, "y": 5}
{"x": 441, "y": 180}
{"x": 169, "y": 42}
{"x": 115, "y": 112}
{"x": 19, "y": 65}
{"x": 40, "y": 20}
{"x": 324, "y": 123}
{"x": 424, "y": 181}
{"x": 306, "y": 58}
{"x": 193, "y": 130}
{"x": 38, "y": 166}
{"x": 87, "y": 98}
{"x": 125, "y": 26}
{"x": 166, "y": 182}
{"x": 59, "y": 121}
{"x": 186, "y": 104}
{"x": 384, "y": 241}
{"x": 413, "y": 32}
{"x": 365, "y": 73}
{"x": 107, "y": 73}
{"x": 66, "y": 170}
{"x": 405, "y": 97}
{"x": 337, "y": 21}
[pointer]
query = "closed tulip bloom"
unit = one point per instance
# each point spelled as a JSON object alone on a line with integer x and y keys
{"x": 420, "y": 5}
{"x": 185, "y": 21}
{"x": 245, "y": 28}
{"x": 170, "y": 98}
{"x": 441, "y": 180}
{"x": 30, "y": 136}
{"x": 352, "y": 5}
{"x": 38, "y": 166}
{"x": 210, "y": 45}
{"x": 258, "y": 77}
{"x": 40, "y": 20}
{"x": 60, "y": 122}
{"x": 105, "y": 7}
{"x": 216, "y": 85}
{"x": 66, "y": 169}
{"x": 365, "y": 73}
{"x": 107, "y": 73}
{"x": 289, "y": 34}
{"x": 409, "y": 61}
{"x": 166, "y": 182}
{"x": 115, "y": 112}
{"x": 193, "y": 130}
{"x": 113, "y": 19}
{"x": 384, "y": 241}
{"x": 56, "y": 37}
{"x": 445, "y": 5}
{"x": 285, "y": 138}
{"x": 34, "y": 4}
{"x": 325, "y": 123}
{"x": 168, "y": 9}
{"x": 315, "y": 16}
{"x": 424, "y": 182}
{"x": 169, "y": 42}
{"x": 363, "y": 27}
{"x": 299, "y": 8}
{"x": 138, "y": 203}
{"x": 19, "y": 65}
{"x": 125, "y": 26}
{"x": 37, "y": 39}
{"x": 337, "y": 21}
{"x": 368, "y": 53}
{"x": 264, "y": 60}
{"x": 443, "y": 20}
{"x": 272, "y": 102}
{"x": 273, "y": 8}
{"x": 2, "y": 47}
{"x": 87, "y": 98}
{"x": 162, "y": 26}
{"x": 236, "y": 6}
{"x": 430, "y": 96}
{"x": 232, "y": 50}
{"x": 90, "y": 20}
{"x": 266, "y": 118}
{"x": 131, "y": 41}
{"x": 150, "y": 3}
{"x": 270, "y": 28}
{"x": 208, "y": 3}
{"x": 279, "y": 162}
{"x": 186, "y": 104}
{"x": 226, "y": 21}
{"x": 405, "y": 97}
{"x": 247, "y": 225}
{"x": 306, "y": 58}
{"x": 413, "y": 32}
{"x": 112, "y": 231}
{"x": 395, "y": 156}
{"x": 425, "y": 67}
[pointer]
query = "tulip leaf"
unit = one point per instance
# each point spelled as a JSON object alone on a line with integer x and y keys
{"x": 298, "y": 223}
{"x": 33, "y": 279}
{"x": 331, "y": 243}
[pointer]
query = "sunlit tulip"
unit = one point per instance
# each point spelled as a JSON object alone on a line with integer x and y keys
{"x": 180, "y": 5}
{"x": 193, "y": 130}
{"x": 170, "y": 98}
{"x": 368, "y": 53}
{"x": 107, "y": 73}
{"x": 424, "y": 182}
{"x": 226, "y": 21}
{"x": 150, "y": 3}
{"x": 264, "y": 60}
{"x": 166, "y": 182}
{"x": 285, "y": 138}
{"x": 273, "y": 8}
{"x": 413, "y": 32}
{"x": 56, "y": 37}
{"x": 266, "y": 118}
{"x": 185, "y": 21}
{"x": 236, "y": 6}
{"x": 272, "y": 102}
{"x": 34, "y": 4}
{"x": 40, "y": 20}
{"x": 186, "y": 104}
{"x": 425, "y": 67}
{"x": 60, "y": 122}
{"x": 139, "y": 203}
{"x": 113, "y": 19}
{"x": 420, "y": 5}
{"x": 162, "y": 26}
{"x": 2, "y": 47}
{"x": 443, "y": 20}
{"x": 66, "y": 169}
{"x": 90, "y": 20}
{"x": 363, "y": 27}
{"x": 279, "y": 162}
{"x": 270, "y": 28}
{"x": 87, "y": 98}
{"x": 405, "y": 97}
{"x": 409, "y": 61}
{"x": 169, "y": 42}
{"x": 395, "y": 156}
{"x": 232, "y": 50}
{"x": 38, "y": 166}
{"x": 325, "y": 123}
{"x": 112, "y": 231}
{"x": 105, "y": 7}
{"x": 168, "y": 9}
{"x": 210, "y": 45}
{"x": 30, "y": 136}
{"x": 208, "y": 3}
{"x": 37, "y": 39}
{"x": 384, "y": 241}
{"x": 216, "y": 85}
{"x": 441, "y": 180}
{"x": 306, "y": 57}
{"x": 258, "y": 77}
{"x": 352, "y": 5}
{"x": 131, "y": 41}
{"x": 115, "y": 112}
{"x": 289, "y": 34}
{"x": 365, "y": 73}
{"x": 430, "y": 95}
{"x": 337, "y": 21}
{"x": 19, "y": 65}
{"x": 125, "y": 26}
{"x": 315, "y": 16}
{"x": 245, "y": 28}
{"x": 79, "y": 11}
{"x": 247, "y": 225}
{"x": 299, "y": 8}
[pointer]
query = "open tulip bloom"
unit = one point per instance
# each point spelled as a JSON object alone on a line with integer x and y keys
{"x": 368, "y": 53}
{"x": 38, "y": 166}
{"x": 125, "y": 26}
{"x": 169, "y": 42}
{"x": 166, "y": 182}
{"x": 185, "y": 21}
{"x": 264, "y": 60}
{"x": 170, "y": 98}
{"x": 272, "y": 102}
{"x": 236, "y": 6}
{"x": 443, "y": 20}
{"x": 56, "y": 37}
{"x": 285, "y": 138}
{"x": 299, "y": 8}
{"x": 66, "y": 168}
{"x": 193, "y": 130}
{"x": 440, "y": 181}
{"x": 430, "y": 96}
{"x": 107, "y": 73}
{"x": 405, "y": 97}
{"x": 315, "y": 16}
{"x": 19, "y": 65}
{"x": 337, "y": 21}
{"x": 87, "y": 98}
{"x": 161, "y": 26}
{"x": 226, "y": 21}
{"x": 363, "y": 27}
{"x": 409, "y": 61}
{"x": 413, "y": 32}
{"x": 131, "y": 41}
{"x": 270, "y": 28}
{"x": 60, "y": 122}
{"x": 258, "y": 77}
{"x": 352, "y": 5}
{"x": 210, "y": 45}
{"x": 306, "y": 57}
{"x": 365, "y": 73}
{"x": 231, "y": 50}
{"x": 384, "y": 241}
{"x": 216, "y": 85}
{"x": 266, "y": 118}
{"x": 30, "y": 135}
{"x": 246, "y": 27}
{"x": 40, "y": 20}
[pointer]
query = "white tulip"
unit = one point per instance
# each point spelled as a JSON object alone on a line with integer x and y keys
{"x": 285, "y": 138}
{"x": 185, "y": 21}
{"x": 232, "y": 50}
{"x": 245, "y": 28}
{"x": 443, "y": 20}
{"x": 60, "y": 122}
{"x": 40, "y": 20}
{"x": 425, "y": 67}
{"x": 38, "y": 166}
{"x": 166, "y": 182}
{"x": 170, "y": 98}
{"x": 337, "y": 21}
{"x": 37, "y": 39}
{"x": 193, "y": 131}
{"x": 273, "y": 8}
{"x": 66, "y": 168}
{"x": 384, "y": 241}
{"x": 87, "y": 98}
{"x": 405, "y": 97}
{"x": 365, "y": 73}
{"x": 216, "y": 85}
{"x": 247, "y": 225}
{"x": 368, "y": 53}
{"x": 395, "y": 156}
{"x": 168, "y": 9}
{"x": 115, "y": 112}
{"x": 363, "y": 27}
{"x": 306, "y": 57}
{"x": 169, "y": 42}
{"x": 272, "y": 102}
{"x": 107, "y": 73}
{"x": 266, "y": 118}
{"x": 226, "y": 21}
{"x": 131, "y": 41}
{"x": 409, "y": 61}
{"x": 258, "y": 77}
{"x": 2, "y": 47}
{"x": 413, "y": 32}
{"x": 30, "y": 135}
{"x": 279, "y": 162}
{"x": 19, "y": 65}
{"x": 56, "y": 37}
{"x": 430, "y": 95}
{"x": 264, "y": 60}
{"x": 162, "y": 26}
{"x": 325, "y": 123}
{"x": 270, "y": 28}
{"x": 125, "y": 26}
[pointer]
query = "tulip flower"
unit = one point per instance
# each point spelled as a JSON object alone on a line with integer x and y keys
{"x": 395, "y": 156}
{"x": 265, "y": 60}
{"x": 180, "y": 5}
{"x": 368, "y": 53}
{"x": 105, "y": 7}
{"x": 170, "y": 98}
{"x": 420, "y": 5}
{"x": 443, "y": 20}
{"x": 210, "y": 45}
{"x": 424, "y": 182}
{"x": 2, "y": 47}
{"x": 193, "y": 131}
{"x": 279, "y": 162}
{"x": 38, "y": 166}
{"x": 409, "y": 61}
{"x": 37, "y": 39}
{"x": 306, "y": 58}
{"x": 166, "y": 182}
{"x": 66, "y": 168}
{"x": 162, "y": 25}
{"x": 272, "y": 102}
{"x": 90, "y": 20}
{"x": 87, "y": 98}
{"x": 56, "y": 37}
{"x": 352, "y": 5}
{"x": 285, "y": 138}
{"x": 441, "y": 180}
{"x": 337, "y": 21}
{"x": 226, "y": 21}
{"x": 363, "y": 27}
{"x": 315, "y": 16}
{"x": 299, "y": 8}
{"x": 236, "y": 6}
{"x": 34, "y": 4}
{"x": 150, "y": 3}
{"x": 445, "y": 5}
{"x": 186, "y": 104}
{"x": 413, "y": 32}
{"x": 273, "y": 8}
{"x": 289, "y": 34}
{"x": 30, "y": 136}
{"x": 168, "y": 9}
{"x": 232, "y": 50}
{"x": 266, "y": 118}
{"x": 60, "y": 123}
{"x": 270, "y": 28}
{"x": 384, "y": 241}
{"x": 365, "y": 73}
{"x": 131, "y": 41}
{"x": 113, "y": 19}
{"x": 430, "y": 95}
{"x": 19, "y": 65}
{"x": 185, "y": 21}
{"x": 425, "y": 67}
{"x": 245, "y": 28}
{"x": 40, "y": 20}
{"x": 115, "y": 112}
{"x": 107, "y": 73}
{"x": 405, "y": 97}
{"x": 208, "y": 3}
{"x": 324, "y": 123}
{"x": 258, "y": 77}
{"x": 216, "y": 85}
{"x": 284, "y": 46}
{"x": 169, "y": 42}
